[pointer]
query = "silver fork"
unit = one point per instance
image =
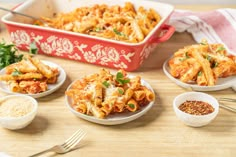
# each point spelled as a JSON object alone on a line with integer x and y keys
{"x": 227, "y": 107}
{"x": 67, "y": 146}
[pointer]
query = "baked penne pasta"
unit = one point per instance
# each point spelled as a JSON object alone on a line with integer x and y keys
{"x": 113, "y": 22}
{"x": 26, "y": 77}
{"x": 104, "y": 93}
{"x": 202, "y": 64}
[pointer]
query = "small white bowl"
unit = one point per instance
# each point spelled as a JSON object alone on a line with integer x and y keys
{"x": 195, "y": 120}
{"x": 14, "y": 123}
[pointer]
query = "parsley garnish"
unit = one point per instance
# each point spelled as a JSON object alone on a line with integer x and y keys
{"x": 120, "y": 91}
{"x": 106, "y": 84}
{"x": 16, "y": 72}
{"x": 215, "y": 65}
{"x": 199, "y": 73}
{"x": 8, "y": 55}
{"x": 33, "y": 48}
{"x": 131, "y": 106}
{"x": 117, "y": 32}
{"x": 208, "y": 58}
{"x": 220, "y": 49}
{"x": 120, "y": 78}
{"x": 186, "y": 55}
{"x": 97, "y": 29}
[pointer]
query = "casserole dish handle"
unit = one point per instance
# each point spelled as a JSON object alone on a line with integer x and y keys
{"x": 167, "y": 31}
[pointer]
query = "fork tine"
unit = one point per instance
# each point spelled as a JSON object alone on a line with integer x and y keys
{"x": 74, "y": 139}
{"x": 72, "y": 136}
{"x": 227, "y": 99}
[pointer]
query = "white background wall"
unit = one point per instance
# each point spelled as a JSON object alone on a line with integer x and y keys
{"x": 169, "y": 1}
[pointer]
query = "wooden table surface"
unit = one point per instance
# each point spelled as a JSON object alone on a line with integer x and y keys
{"x": 157, "y": 133}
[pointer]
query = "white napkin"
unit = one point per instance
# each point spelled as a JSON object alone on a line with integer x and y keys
{"x": 217, "y": 26}
{"x": 2, "y": 154}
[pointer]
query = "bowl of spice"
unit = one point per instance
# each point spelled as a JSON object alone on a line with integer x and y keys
{"x": 196, "y": 109}
{"x": 17, "y": 111}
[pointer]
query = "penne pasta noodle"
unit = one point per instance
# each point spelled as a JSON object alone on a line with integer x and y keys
{"x": 107, "y": 108}
{"x": 150, "y": 96}
{"x": 27, "y": 76}
{"x": 14, "y": 86}
{"x": 44, "y": 69}
{"x": 81, "y": 107}
{"x": 139, "y": 95}
{"x": 129, "y": 93}
{"x": 206, "y": 67}
{"x": 97, "y": 112}
{"x": 119, "y": 107}
{"x": 137, "y": 31}
{"x": 98, "y": 94}
{"x": 191, "y": 73}
{"x": 201, "y": 79}
{"x": 25, "y": 66}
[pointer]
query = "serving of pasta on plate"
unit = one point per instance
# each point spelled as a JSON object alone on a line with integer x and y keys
{"x": 103, "y": 94}
{"x": 204, "y": 65}
{"x": 31, "y": 76}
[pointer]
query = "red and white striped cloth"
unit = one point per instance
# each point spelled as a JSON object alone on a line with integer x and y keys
{"x": 218, "y": 26}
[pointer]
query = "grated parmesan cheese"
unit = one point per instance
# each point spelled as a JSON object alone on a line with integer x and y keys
{"x": 15, "y": 107}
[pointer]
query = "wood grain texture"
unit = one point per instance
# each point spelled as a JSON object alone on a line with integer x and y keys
{"x": 157, "y": 133}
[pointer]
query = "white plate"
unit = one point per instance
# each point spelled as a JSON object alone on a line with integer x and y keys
{"x": 51, "y": 87}
{"x": 222, "y": 83}
{"x": 114, "y": 119}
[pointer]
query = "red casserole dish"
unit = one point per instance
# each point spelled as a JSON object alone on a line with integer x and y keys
{"x": 82, "y": 47}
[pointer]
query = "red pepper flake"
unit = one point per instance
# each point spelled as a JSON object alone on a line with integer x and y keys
{"x": 196, "y": 107}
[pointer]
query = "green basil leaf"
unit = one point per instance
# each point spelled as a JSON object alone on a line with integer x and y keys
{"x": 220, "y": 49}
{"x": 131, "y": 106}
{"x": 33, "y": 48}
{"x": 199, "y": 73}
{"x": 120, "y": 91}
{"x": 106, "y": 84}
{"x": 16, "y": 72}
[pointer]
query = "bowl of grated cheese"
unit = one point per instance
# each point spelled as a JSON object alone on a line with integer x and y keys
{"x": 17, "y": 111}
